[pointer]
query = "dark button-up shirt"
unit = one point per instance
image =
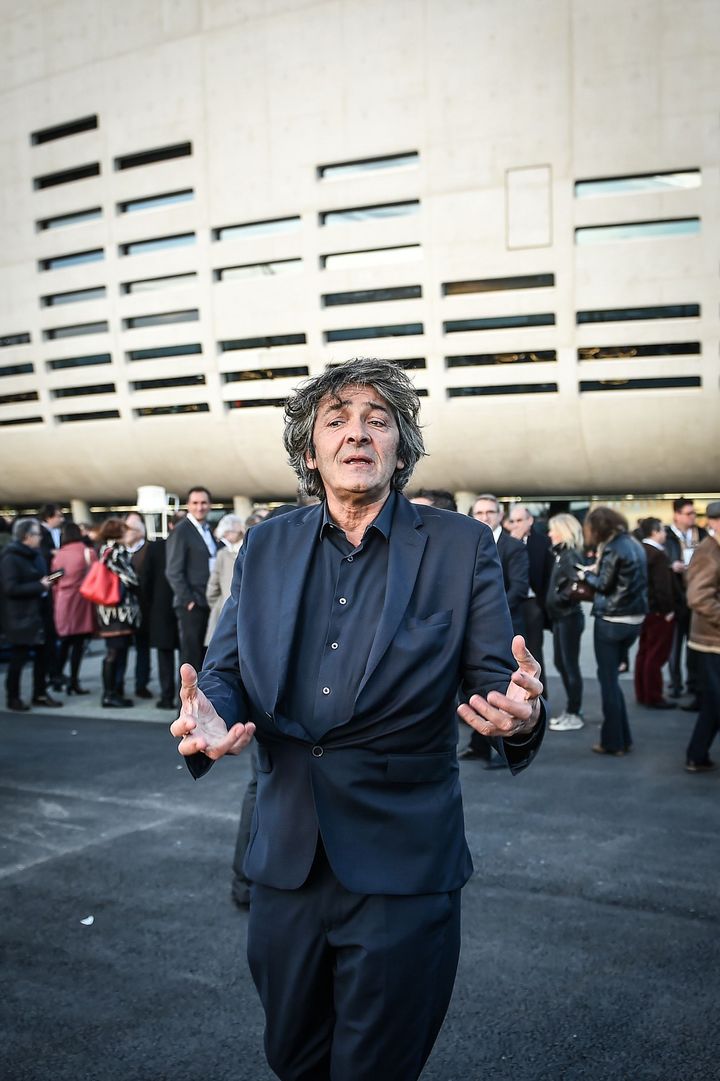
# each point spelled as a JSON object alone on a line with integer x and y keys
{"x": 341, "y": 604}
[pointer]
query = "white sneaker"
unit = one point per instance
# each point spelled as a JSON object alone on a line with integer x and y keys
{"x": 566, "y": 722}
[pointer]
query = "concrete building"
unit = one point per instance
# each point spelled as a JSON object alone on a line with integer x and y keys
{"x": 205, "y": 200}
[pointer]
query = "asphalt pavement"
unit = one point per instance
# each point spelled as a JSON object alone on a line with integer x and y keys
{"x": 590, "y": 926}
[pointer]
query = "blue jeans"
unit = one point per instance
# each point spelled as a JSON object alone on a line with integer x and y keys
{"x": 611, "y": 639}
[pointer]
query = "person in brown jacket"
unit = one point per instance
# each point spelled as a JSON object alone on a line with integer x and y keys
{"x": 703, "y": 597}
{"x": 656, "y": 637}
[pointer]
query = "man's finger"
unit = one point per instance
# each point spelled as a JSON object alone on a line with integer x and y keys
{"x": 523, "y": 656}
{"x": 237, "y": 738}
{"x": 188, "y": 677}
{"x": 527, "y": 682}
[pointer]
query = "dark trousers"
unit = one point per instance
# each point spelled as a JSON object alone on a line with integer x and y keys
{"x": 241, "y": 884}
{"x": 707, "y": 725}
{"x": 51, "y": 648}
{"x": 167, "y": 674}
{"x": 567, "y": 632}
{"x": 116, "y": 648}
{"x": 355, "y": 987}
{"x": 681, "y": 629}
{"x": 534, "y": 618}
{"x": 142, "y": 664}
{"x": 610, "y": 639}
{"x": 73, "y": 646}
{"x": 19, "y": 655}
{"x": 192, "y": 626}
{"x": 653, "y": 651}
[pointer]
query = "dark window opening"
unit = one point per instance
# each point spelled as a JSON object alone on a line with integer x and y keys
{"x": 400, "y": 330}
{"x": 257, "y": 228}
{"x": 627, "y": 352}
{"x": 256, "y": 403}
{"x": 76, "y": 218}
{"x": 616, "y": 315}
{"x": 146, "y": 285}
{"x": 15, "y": 339}
{"x": 369, "y": 213}
{"x": 139, "y": 247}
{"x": 165, "y": 351}
{"x": 14, "y": 422}
{"x": 468, "y": 360}
{"x": 66, "y": 176}
{"x": 191, "y": 315}
{"x": 100, "y": 414}
{"x": 368, "y": 296}
{"x": 148, "y": 157}
{"x": 510, "y": 388}
{"x": 499, "y": 322}
{"x": 75, "y": 295}
{"x": 368, "y": 165}
{"x": 20, "y": 396}
{"x": 169, "y": 198}
{"x": 16, "y": 369}
{"x": 76, "y": 258}
{"x": 641, "y": 182}
{"x": 270, "y": 341}
{"x": 167, "y": 410}
{"x": 74, "y": 331}
{"x": 61, "y": 131}
{"x": 494, "y": 285}
{"x": 79, "y": 392}
{"x": 658, "y": 383}
{"x": 175, "y": 381}
{"x": 79, "y": 362}
{"x": 251, "y": 374}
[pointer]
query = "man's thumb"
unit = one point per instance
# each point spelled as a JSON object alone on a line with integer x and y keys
{"x": 188, "y": 677}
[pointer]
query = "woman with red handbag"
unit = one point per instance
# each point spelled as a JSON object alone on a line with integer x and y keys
{"x": 117, "y": 618}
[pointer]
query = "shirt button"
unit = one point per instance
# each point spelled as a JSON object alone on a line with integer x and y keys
{"x": 350, "y": 559}
{"x": 326, "y": 690}
{"x": 333, "y": 645}
{"x": 343, "y": 600}
{"x": 317, "y": 752}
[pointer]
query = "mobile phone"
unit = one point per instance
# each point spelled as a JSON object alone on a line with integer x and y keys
{"x": 55, "y": 575}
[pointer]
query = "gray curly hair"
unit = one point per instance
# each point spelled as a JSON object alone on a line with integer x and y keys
{"x": 388, "y": 379}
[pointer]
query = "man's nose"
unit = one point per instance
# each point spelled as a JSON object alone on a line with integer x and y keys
{"x": 357, "y": 433}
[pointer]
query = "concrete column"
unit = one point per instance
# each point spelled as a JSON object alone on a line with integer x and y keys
{"x": 242, "y": 506}
{"x": 80, "y": 510}
{"x": 465, "y": 501}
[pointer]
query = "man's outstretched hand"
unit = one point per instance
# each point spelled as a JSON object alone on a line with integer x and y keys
{"x": 199, "y": 726}
{"x": 514, "y": 713}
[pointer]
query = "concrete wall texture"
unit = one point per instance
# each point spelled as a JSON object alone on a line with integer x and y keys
{"x": 557, "y": 354}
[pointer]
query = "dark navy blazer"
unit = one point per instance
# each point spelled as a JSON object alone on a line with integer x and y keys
{"x": 382, "y": 784}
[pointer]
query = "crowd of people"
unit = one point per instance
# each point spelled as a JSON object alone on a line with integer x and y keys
{"x": 653, "y": 585}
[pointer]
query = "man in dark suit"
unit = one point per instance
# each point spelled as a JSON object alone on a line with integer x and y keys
{"x": 384, "y": 612}
{"x": 190, "y": 557}
{"x": 540, "y": 564}
{"x": 681, "y": 539}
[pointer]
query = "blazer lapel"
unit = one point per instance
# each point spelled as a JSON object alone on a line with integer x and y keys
{"x": 407, "y": 544}
{"x": 301, "y": 535}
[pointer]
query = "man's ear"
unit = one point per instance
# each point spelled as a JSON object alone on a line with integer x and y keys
{"x": 310, "y": 459}
{"x": 400, "y": 464}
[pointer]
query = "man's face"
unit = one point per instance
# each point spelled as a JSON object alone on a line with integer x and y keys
{"x": 485, "y": 511}
{"x": 55, "y": 521}
{"x": 32, "y": 539}
{"x": 198, "y": 505}
{"x": 134, "y": 529}
{"x": 685, "y": 518}
{"x": 356, "y": 442}
{"x": 520, "y": 522}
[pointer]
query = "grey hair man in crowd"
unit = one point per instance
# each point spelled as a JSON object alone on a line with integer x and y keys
{"x": 345, "y": 642}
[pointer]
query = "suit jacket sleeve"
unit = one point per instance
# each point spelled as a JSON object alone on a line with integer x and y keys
{"x": 487, "y": 661}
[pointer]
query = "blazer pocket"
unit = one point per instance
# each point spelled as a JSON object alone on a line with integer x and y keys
{"x": 264, "y": 759}
{"x": 419, "y": 768}
{"x": 437, "y": 619}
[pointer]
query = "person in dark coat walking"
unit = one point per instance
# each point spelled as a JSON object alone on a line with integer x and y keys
{"x": 162, "y": 624}
{"x": 25, "y": 592}
{"x": 656, "y": 636}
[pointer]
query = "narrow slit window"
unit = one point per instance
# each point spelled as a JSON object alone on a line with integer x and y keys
{"x": 171, "y": 410}
{"x": 99, "y": 414}
{"x": 276, "y": 268}
{"x": 397, "y": 253}
{"x": 257, "y": 228}
{"x": 161, "y": 319}
{"x": 16, "y": 369}
{"x": 256, "y": 403}
{"x": 161, "y": 351}
{"x": 51, "y": 300}
{"x": 77, "y": 217}
{"x": 370, "y": 296}
{"x": 77, "y": 258}
{"x": 168, "y": 281}
{"x": 89, "y": 361}
{"x": 509, "y": 388}
{"x": 496, "y": 285}
{"x": 637, "y": 230}
{"x": 174, "y": 381}
{"x": 15, "y": 339}
{"x": 658, "y": 383}
{"x": 409, "y": 159}
{"x": 81, "y": 392}
{"x": 255, "y": 374}
{"x": 53, "y": 333}
{"x": 66, "y": 176}
{"x": 149, "y": 157}
{"x": 15, "y": 422}
{"x": 640, "y": 184}
{"x": 618, "y": 315}
{"x": 151, "y": 202}
{"x": 19, "y": 396}
{"x": 628, "y": 352}
{"x": 271, "y": 341}
{"x": 158, "y": 243}
{"x": 470, "y": 360}
{"x": 399, "y": 330}
{"x": 62, "y": 131}
{"x": 370, "y": 213}
{"x": 499, "y": 322}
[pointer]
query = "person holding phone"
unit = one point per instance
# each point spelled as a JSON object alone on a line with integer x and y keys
{"x": 74, "y": 616}
{"x": 25, "y": 586}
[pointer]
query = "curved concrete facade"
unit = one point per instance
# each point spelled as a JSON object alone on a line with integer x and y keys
{"x": 557, "y": 354}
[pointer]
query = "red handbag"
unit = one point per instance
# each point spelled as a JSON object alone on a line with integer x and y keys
{"x": 101, "y": 586}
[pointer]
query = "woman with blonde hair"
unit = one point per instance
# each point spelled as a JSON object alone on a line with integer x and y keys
{"x": 566, "y": 615}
